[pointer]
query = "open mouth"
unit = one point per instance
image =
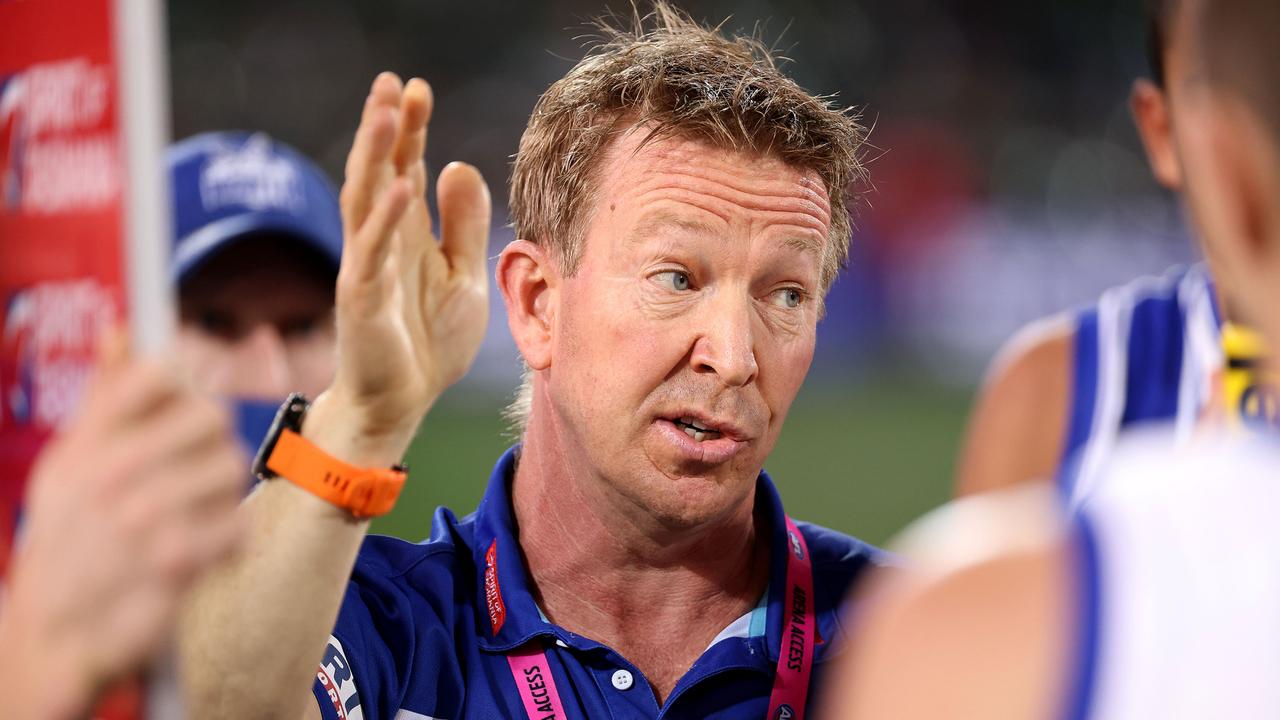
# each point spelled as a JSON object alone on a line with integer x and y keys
{"x": 696, "y": 431}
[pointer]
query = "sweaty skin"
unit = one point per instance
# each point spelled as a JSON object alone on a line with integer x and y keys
{"x": 974, "y": 628}
{"x": 697, "y": 298}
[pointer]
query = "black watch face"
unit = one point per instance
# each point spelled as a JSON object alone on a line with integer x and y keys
{"x": 288, "y": 417}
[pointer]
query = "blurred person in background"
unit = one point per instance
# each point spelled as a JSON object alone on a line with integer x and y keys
{"x": 257, "y": 242}
{"x": 126, "y": 508}
{"x": 1168, "y": 349}
{"x": 680, "y": 209}
{"x": 1158, "y": 598}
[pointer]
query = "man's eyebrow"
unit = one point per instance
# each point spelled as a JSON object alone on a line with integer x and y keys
{"x": 804, "y": 242}
{"x": 662, "y": 222}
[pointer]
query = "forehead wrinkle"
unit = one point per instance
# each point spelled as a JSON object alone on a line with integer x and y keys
{"x": 697, "y": 162}
{"x": 675, "y": 186}
{"x": 800, "y": 213}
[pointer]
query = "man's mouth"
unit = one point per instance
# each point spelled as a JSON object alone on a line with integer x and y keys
{"x": 697, "y": 431}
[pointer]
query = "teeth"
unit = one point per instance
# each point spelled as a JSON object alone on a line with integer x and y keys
{"x": 697, "y": 433}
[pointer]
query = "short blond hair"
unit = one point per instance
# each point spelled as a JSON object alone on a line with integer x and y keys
{"x": 679, "y": 78}
{"x": 675, "y": 77}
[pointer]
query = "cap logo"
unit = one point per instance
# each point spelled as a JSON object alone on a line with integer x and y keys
{"x": 251, "y": 175}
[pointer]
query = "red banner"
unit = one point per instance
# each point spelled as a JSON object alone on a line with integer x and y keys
{"x": 82, "y": 227}
{"x": 62, "y": 235}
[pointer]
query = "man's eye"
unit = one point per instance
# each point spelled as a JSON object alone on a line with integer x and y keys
{"x": 216, "y": 322}
{"x": 297, "y": 327}
{"x": 788, "y": 297}
{"x": 674, "y": 279}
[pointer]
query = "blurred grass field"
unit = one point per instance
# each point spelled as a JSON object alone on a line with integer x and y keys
{"x": 864, "y": 458}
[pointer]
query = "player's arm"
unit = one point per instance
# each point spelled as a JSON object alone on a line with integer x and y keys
{"x": 980, "y": 625}
{"x": 1017, "y": 428}
{"x": 411, "y": 312}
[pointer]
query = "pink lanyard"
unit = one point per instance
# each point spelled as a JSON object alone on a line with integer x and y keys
{"x": 795, "y": 658}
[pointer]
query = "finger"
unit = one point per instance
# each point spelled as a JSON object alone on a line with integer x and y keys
{"x": 213, "y": 484}
{"x": 373, "y": 242}
{"x": 367, "y": 167}
{"x": 112, "y": 361}
{"x": 465, "y": 213}
{"x": 411, "y": 139}
{"x": 129, "y": 395}
{"x": 366, "y": 163}
{"x": 113, "y": 347}
{"x": 382, "y": 95}
{"x": 186, "y": 430}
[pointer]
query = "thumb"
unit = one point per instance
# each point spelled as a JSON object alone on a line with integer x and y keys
{"x": 465, "y": 212}
{"x": 113, "y": 356}
{"x": 113, "y": 348}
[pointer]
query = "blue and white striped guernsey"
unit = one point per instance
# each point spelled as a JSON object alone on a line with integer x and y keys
{"x": 1148, "y": 351}
{"x": 1177, "y": 582}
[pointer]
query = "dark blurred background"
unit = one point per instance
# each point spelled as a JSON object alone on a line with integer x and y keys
{"x": 1009, "y": 183}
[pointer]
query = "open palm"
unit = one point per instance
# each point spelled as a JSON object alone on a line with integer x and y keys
{"x": 411, "y": 310}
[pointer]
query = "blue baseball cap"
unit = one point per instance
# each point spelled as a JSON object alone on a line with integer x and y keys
{"x": 229, "y": 185}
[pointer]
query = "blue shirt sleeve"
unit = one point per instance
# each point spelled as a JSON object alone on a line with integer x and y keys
{"x": 357, "y": 672}
{"x": 391, "y": 624}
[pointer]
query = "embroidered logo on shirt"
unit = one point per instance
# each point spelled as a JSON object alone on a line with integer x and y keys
{"x": 493, "y": 593}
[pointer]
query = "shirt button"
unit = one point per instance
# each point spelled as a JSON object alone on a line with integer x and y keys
{"x": 622, "y": 680}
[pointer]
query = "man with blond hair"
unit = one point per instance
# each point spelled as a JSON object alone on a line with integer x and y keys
{"x": 680, "y": 212}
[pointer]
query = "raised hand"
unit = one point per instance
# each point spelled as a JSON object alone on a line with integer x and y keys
{"x": 411, "y": 310}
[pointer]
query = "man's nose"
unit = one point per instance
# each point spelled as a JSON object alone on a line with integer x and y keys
{"x": 262, "y": 365}
{"x": 726, "y": 345}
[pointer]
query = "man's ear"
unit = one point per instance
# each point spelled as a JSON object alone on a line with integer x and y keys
{"x": 529, "y": 282}
{"x": 1150, "y": 107}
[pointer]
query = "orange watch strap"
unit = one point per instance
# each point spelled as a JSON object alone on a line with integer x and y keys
{"x": 366, "y": 492}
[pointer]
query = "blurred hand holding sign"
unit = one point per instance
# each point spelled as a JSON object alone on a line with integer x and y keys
{"x": 83, "y": 210}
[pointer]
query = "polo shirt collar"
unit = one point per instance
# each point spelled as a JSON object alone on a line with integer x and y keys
{"x": 506, "y": 612}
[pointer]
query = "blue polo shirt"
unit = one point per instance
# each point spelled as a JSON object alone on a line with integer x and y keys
{"x": 425, "y": 629}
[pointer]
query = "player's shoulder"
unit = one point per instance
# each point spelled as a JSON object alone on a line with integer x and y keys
{"x": 965, "y": 543}
{"x": 1016, "y": 429}
{"x": 1044, "y": 349}
{"x": 1038, "y": 357}
{"x": 977, "y": 611}
{"x": 436, "y": 561}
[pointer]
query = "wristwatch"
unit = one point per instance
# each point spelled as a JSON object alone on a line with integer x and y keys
{"x": 365, "y": 492}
